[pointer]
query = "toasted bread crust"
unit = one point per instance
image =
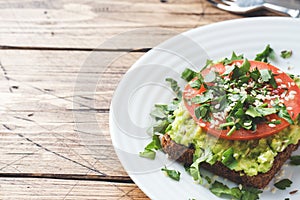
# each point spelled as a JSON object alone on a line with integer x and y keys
{"x": 184, "y": 155}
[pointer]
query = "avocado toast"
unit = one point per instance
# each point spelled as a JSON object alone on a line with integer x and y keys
{"x": 236, "y": 118}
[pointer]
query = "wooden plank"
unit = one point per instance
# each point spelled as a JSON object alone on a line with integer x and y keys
{"x": 85, "y": 24}
{"x": 38, "y": 128}
{"x": 28, "y": 188}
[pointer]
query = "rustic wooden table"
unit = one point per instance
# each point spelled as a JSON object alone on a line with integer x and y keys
{"x": 46, "y": 64}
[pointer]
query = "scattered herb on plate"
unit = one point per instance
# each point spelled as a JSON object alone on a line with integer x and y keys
{"x": 283, "y": 184}
{"x": 286, "y": 54}
{"x": 173, "y": 174}
{"x": 295, "y": 160}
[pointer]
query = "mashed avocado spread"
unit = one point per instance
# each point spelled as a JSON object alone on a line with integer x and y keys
{"x": 249, "y": 157}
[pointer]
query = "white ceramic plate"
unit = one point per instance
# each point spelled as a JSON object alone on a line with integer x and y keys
{"x": 144, "y": 85}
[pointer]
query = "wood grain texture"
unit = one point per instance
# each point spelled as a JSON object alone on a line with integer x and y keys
{"x": 23, "y": 188}
{"x": 54, "y": 131}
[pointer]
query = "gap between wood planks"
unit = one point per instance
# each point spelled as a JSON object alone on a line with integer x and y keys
{"x": 82, "y": 177}
{"x": 39, "y": 48}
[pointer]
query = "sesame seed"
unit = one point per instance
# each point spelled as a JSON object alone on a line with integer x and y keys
{"x": 289, "y": 108}
{"x": 283, "y": 86}
{"x": 293, "y": 83}
{"x": 279, "y": 71}
{"x": 272, "y": 125}
{"x": 293, "y": 92}
{"x": 217, "y": 106}
{"x": 202, "y": 124}
{"x": 273, "y": 190}
{"x": 287, "y": 98}
{"x": 279, "y": 80}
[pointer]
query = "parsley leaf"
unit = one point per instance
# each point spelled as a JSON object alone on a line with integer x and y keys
{"x": 228, "y": 159}
{"x": 286, "y": 54}
{"x": 159, "y": 111}
{"x": 175, "y": 87}
{"x": 206, "y": 96}
{"x": 295, "y": 160}
{"x": 200, "y": 156}
{"x": 268, "y": 52}
{"x": 173, "y": 174}
{"x": 188, "y": 74}
{"x": 234, "y": 57}
{"x": 203, "y": 111}
{"x": 283, "y": 113}
{"x": 148, "y": 154}
{"x": 149, "y": 151}
{"x": 268, "y": 76}
{"x": 242, "y": 70}
{"x": 283, "y": 184}
{"x": 219, "y": 189}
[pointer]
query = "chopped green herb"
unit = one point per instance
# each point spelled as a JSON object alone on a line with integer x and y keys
{"x": 149, "y": 151}
{"x": 283, "y": 184}
{"x": 199, "y": 157}
{"x": 283, "y": 113}
{"x": 173, "y": 174}
{"x": 234, "y": 57}
{"x": 268, "y": 52}
{"x": 219, "y": 189}
{"x": 208, "y": 179}
{"x": 160, "y": 126}
{"x": 276, "y": 122}
{"x": 188, "y": 74}
{"x": 286, "y": 54}
{"x": 228, "y": 159}
{"x": 159, "y": 111}
{"x": 206, "y": 96}
{"x": 148, "y": 154}
{"x": 242, "y": 70}
{"x": 175, "y": 87}
{"x": 203, "y": 112}
{"x": 265, "y": 75}
{"x": 295, "y": 160}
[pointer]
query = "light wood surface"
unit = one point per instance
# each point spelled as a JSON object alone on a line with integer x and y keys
{"x": 45, "y": 67}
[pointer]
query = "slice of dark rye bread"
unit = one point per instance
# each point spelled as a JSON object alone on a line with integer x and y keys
{"x": 184, "y": 155}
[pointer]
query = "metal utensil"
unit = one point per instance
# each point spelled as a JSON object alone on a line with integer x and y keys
{"x": 247, "y": 6}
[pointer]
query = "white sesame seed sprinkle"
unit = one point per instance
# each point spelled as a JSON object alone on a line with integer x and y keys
{"x": 202, "y": 124}
{"x": 289, "y": 108}
{"x": 283, "y": 86}
{"x": 279, "y": 80}
{"x": 272, "y": 125}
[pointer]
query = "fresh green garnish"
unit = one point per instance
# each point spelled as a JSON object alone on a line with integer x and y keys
{"x": 199, "y": 157}
{"x": 188, "y": 74}
{"x": 151, "y": 148}
{"x": 283, "y": 113}
{"x": 228, "y": 159}
{"x": 286, "y": 54}
{"x": 173, "y": 174}
{"x": 203, "y": 112}
{"x": 175, "y": 87}
{"x": 268, "y": 52}
{"x": 219, "y": 189}
{"x": 283, "y": 184}
{"x": 295, "y": 160}
{"x": 234, "y": 57}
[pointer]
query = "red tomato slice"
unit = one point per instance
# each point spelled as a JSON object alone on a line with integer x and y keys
{"x": 263, "y": 129}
